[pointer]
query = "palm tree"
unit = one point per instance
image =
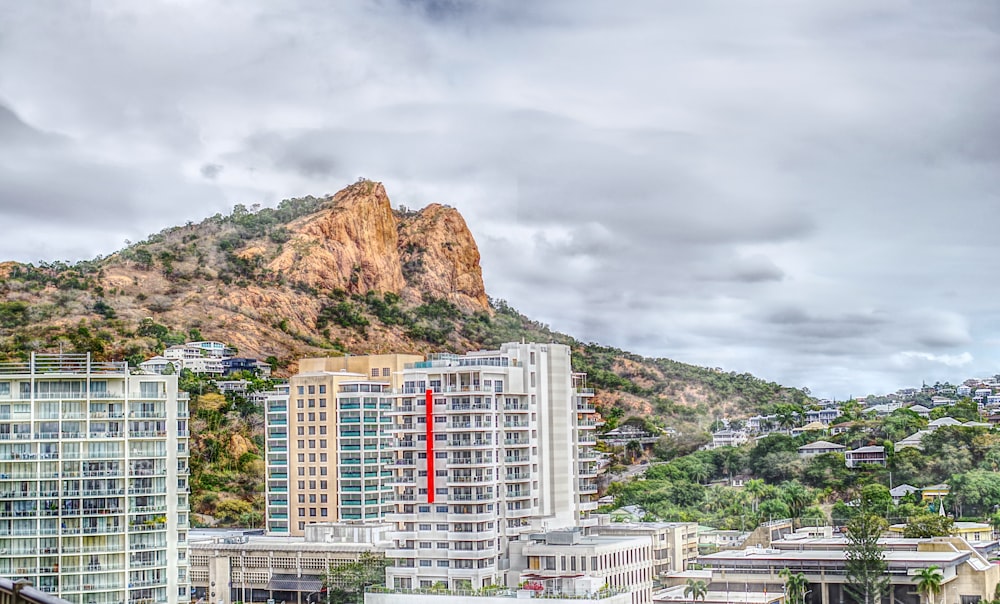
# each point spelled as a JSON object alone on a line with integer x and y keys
{"x": 795, "y": 586}
{"x": 796, "y": 496}
{"x": 755, "y": 487}
{"x": 696, "y": 589}
{"x": 634, "y": 450}
{"x": 929, "y": 582}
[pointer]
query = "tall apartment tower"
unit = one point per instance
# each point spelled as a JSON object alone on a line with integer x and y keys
{"x": 490, "y": 446}
{"x": 93, "y": 481}
{"x": 335, "y": 434}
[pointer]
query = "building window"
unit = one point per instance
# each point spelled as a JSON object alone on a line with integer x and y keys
{"x": 322, "y": 403}
{"x": 385, "y": 372}
{"x": 322, "y": 388}
{"x": 312, "y": 389}
{"x": 322, "y": 415}
{"x": 301, "y": 390}
{"x": 374, "y": 371}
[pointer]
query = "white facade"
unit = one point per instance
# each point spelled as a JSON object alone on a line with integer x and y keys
{"x": 505, "y": 449}
{"x": 93, "y": 481}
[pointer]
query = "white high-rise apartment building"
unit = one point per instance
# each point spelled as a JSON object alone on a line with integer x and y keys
{"x": 490, "y": 446}
{"x": 93, "y": 481}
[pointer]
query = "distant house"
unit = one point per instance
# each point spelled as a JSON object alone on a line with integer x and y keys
{"x": 941, "y": 401}
{"x": 819, "y": 448}
{"x": 902, "y": 491}
{"x": 159, "y": 364}
{"x": 935, "y": 492}
{"x": 728, "y": 438}
{"x": 963, "y": 391}
{"x": 842, "y": 427}
{"x": 913, "y": 440}
{"x": 943, "y": 421}
{"x": 810, "y": 427}
{"x": 824, "y": 416}
{"x": 865, "y": 455}
{"x": 920, "y": 410}
{"x": 626, "y": 433}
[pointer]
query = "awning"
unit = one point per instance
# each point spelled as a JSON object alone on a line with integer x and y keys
{"x": 295, "y": 583}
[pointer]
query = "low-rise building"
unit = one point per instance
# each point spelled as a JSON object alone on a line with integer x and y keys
{"x": 967, "y": 576}
{"x": 897, "y": 493}
{"x": 674, "y": 544}
{"x": 874, "y": 454}
{"x": 232, "y": 566}
{"x": 819, "y": 448}
{"x": 728, "y": 438}
{"x": 556, "y": 559}
{"x": 914, "y": 440}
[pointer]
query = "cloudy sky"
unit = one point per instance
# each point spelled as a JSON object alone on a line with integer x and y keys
{"x": 804, "y": 190}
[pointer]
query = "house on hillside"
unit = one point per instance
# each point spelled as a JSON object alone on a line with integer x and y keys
{"x": 935, "y": 492}
{"x": 920, "y": 410}
{"x": 874, "y": 454}
{"x": 810, "y": 427}
{"x": 901, "y": 491}
{"x": 843, "y": 427}
{"x": 727, "y": 438}
{"x": 819, "y": 448}
{"x": 943, "y": 421}
{"x": 913, "y": 440}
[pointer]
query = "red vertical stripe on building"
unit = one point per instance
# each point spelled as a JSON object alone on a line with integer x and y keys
{"x": 430, "y": 446}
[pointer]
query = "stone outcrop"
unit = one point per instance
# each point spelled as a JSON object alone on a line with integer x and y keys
{"x": 441, "y": 257}
{"x": 359, "y": 244}
{"x": 351, "y": 246}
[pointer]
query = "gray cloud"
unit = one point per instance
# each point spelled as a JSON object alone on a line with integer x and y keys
{"x": 801, "y": 190}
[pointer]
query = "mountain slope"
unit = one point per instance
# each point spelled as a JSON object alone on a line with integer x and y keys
{"x": 317, "y": 276}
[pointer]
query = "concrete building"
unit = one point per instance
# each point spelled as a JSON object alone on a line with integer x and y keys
{"x": 491, "y": 446}
{"x": 674, "y": 545}
{"x": 230, "y": 566}
{"x": 159, "y": 365}
{"x": 558, "y": 559}
{"x": 967, "y": 575}
{"x": 93, "y": 481}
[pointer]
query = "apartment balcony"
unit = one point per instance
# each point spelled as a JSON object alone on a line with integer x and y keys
{"x": 465, "y": 444}
{"x": 587, "y": 487}
{"x": 470, "y": 479}
{"x": 470, "y": 461}
{"x": 472, "y": 554}
{"x": 517, "y": 477}
{"x": 467, "y": 497}
{"x": 469, "y": 426}
{"x": 516, "y": 442}
{"x": 517, "y": 459}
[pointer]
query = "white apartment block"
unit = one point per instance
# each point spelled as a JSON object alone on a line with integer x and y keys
{"x": 93, "y": 481}
{"x": 490, "y": 446}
